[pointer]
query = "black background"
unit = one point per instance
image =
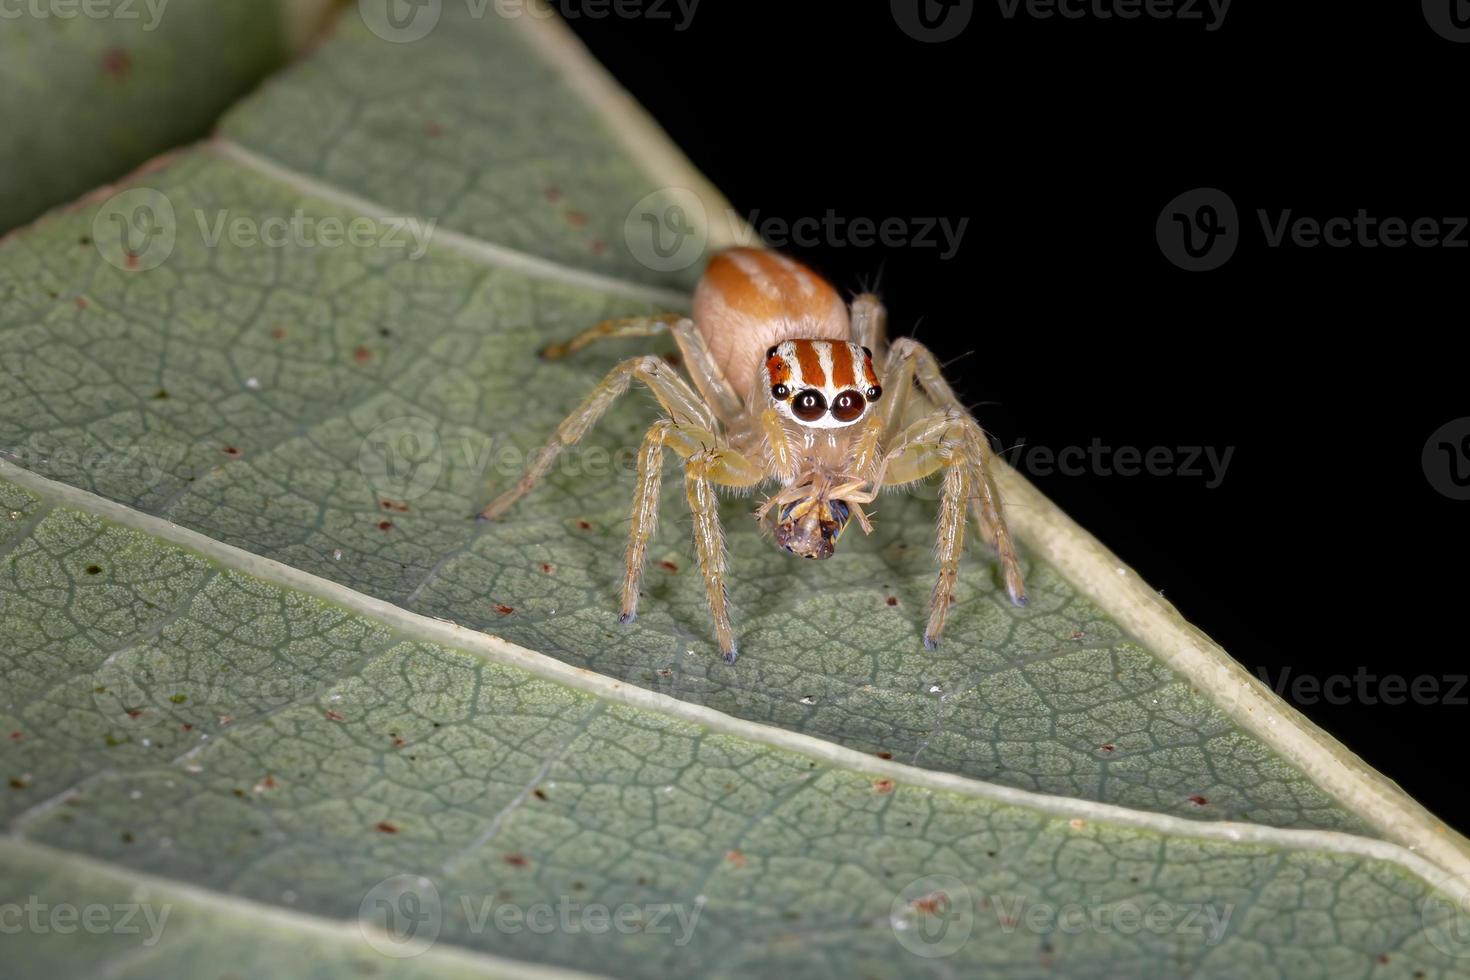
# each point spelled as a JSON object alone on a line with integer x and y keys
{"x": 1325, "y": 549}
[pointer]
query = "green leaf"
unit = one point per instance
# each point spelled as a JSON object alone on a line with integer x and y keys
{"x": 259, "y": 654}
{"x": 91, "y": 88}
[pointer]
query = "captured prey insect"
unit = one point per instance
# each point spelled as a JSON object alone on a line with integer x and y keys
{"x": 793, "y": 387}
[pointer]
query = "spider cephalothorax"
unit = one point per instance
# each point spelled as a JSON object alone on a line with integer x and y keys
{"x": 789, "y": 388}
{"x": 822, "y": 384}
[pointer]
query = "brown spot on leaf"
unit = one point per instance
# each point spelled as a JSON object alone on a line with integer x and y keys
{"x": 584, "y": 525}
{"x": 135, "y": 712}
{"x": 576, "y": 219}
{"x": 333, "y": 716}
{"x": 278, "y": 333}
{"x": 884, "y": 755}
{"x": 548, "y": 568}
{"x": 504, "y": 610}
{"x": 17, "y": 736}
{"x": 433, "y": 130}
{"x": 397, "y": 507}
{"x": 1077, "y": 634}
{"x": 668, "y": 566}
{"x": 892, "y": 600}
{"x": 93, "y": 569}
{"x": 1107, "y": 747}
{"x": 385, "y": 525}
{"x": 932, "y": 903}
{"x": 265, "y": 783}
{"x": 19, "y": 782}
{"x": 735, "y": 858}
{"x": 883, "y": 787}
{"x": 387, "y": 827}
{"x": 362, "y": 355}
{"x": 230, "y": 451}
{"x": 539, "y": 793}
{"x": 116, "y": 62}
{"x": 517, "y": 860}
{"x": 598, "y": 246}
{"x": 82, "y": 300}
{"x": 399, "y": 741}
{"x": 160, "y": 395}
{"x": 1198, "y": 800}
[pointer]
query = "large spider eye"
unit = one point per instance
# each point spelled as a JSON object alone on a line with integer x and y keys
{"x": 779, "y": 392}
{"x": 875, "y": 393}
{"x": 847, "y": 406}
{"x": 809, "y": 405}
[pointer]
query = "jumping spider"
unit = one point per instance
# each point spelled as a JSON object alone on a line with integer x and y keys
{"x": 831, "y": 412}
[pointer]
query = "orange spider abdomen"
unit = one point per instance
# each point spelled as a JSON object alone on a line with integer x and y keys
{"x": 750, "y": 299}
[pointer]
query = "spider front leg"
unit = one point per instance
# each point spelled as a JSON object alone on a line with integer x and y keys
{"x": 676, "y": 397}
{"x": 932, "y": 444}
{"x": 910, "y": 360}
{"x": 702, "y": 366}
{"x": 700, "y": 474}
{"x": 702, "y": 450}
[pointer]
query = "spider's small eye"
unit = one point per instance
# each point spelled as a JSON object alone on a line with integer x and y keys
{"x": 770, "y": 352}
{"x": 809, "y": 405}
{"x": 779, "y": 392}
{"x": 868, "y": 351}
{"x": 847, "y": 406}
{"x": 875, "y": 393}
